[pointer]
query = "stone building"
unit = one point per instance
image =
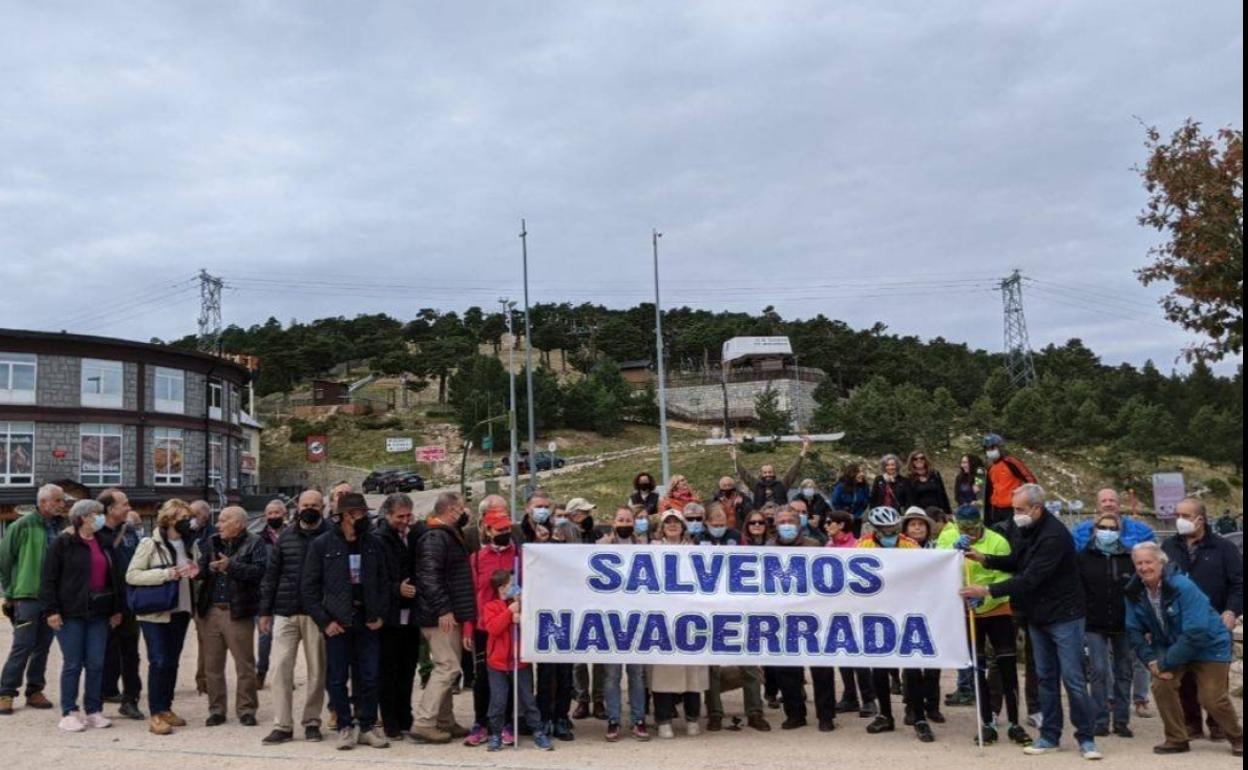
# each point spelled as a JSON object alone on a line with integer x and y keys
{"x": 103, "y": 412}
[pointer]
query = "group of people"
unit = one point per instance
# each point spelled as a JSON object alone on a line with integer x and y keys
{"x": 360, "y": 593}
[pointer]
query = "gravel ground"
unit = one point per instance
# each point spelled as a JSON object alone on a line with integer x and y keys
{"x": 30, "y": 739}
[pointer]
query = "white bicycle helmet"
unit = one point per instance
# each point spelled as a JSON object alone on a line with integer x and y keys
{"x": 884, "y": 516}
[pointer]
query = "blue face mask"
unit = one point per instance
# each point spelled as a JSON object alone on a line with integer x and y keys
{"x": 99, "y": 522}
{"x": 558, "y": 521}
{"x": 786, "y": 532}
{"x": 889, "y": 541}
{"x": 695, "y": 527}
{"x": 803, "y": 520}
{"x": 808, "y": 492}
{"x": 1107, "y": 538}
{"x": 540, "y": 515}
{"x": 641, "y": 526}
{"x": 512, "y": 591}
{"x": 717, "y": 532}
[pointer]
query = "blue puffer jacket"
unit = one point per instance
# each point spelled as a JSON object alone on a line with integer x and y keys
{"x": 1192, "y": 631}
{"x": 1134, "y": 532}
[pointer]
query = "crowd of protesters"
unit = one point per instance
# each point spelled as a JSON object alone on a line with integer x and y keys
{"x": 360, "y": 593}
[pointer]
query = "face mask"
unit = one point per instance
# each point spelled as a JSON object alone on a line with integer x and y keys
{"x": 276, "y": 523}
{"x": 462, "y": 521}
{"x": 624, "y": 533}
{"x": 309, "y": 516}
{"x": 361, "y": 526}
{"x": 994, "y": 454}
{"x": 1185, "y": 527}
{"x": 889, "y": 541}
{"x": 501, "y": 540}
{"x": 786, "y": 532}
{"x": 717, "y": 532}
{"x": 558, "y": 521}
{"x": 194, "y": 525}
{"x": 695, "y": 527}
{"x": 642, "y": 526}
{"x": 808, "y": 492}
{"x": 1023, "y": 520}
{"x": 645, "y": 487}
{"x": 803, "y": 520}
{"x": 540, "y": 515}
{"x": 97, "y": 523}
{"x": 184, "y": 528}
{"x": 512, "y": 591}
{"x": 1107, "y": 538}
{"x": 140, "y": 531}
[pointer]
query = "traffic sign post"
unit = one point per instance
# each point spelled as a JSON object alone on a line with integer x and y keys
{"x": 431, "y": 454}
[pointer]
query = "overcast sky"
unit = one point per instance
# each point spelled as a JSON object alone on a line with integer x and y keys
{"x": 871, "y": 161}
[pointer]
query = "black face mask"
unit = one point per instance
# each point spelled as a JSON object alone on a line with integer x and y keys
{"x": 463, "y": 520}
{"x": 646, "y": 487}
{"x": 361, "y": 526}
{"x": 183, "y": 528}
{"x": 624, "y": 533}
{"x": 276, "y": 523}
{"x": 502, "y": 539}
{"x": 309, "y": 516}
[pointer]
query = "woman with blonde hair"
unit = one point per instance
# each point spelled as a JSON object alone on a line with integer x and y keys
{"x": 164, "y": 612}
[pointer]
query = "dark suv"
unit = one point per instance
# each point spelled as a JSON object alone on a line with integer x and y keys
{"x": 545, "y": 461}
{"x": 376, "y": 481}
{"x": 403, "y": 481}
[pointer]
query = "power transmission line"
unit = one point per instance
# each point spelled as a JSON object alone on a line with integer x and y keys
{"x": 1018, "y": 363}
{"x": 209, "y": 312}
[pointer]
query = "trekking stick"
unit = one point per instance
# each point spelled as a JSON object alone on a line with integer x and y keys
{"x": 970, "y": 615}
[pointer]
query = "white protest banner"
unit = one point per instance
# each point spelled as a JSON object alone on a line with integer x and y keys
{"x": 1168, "y": 491}
{"x": 722, "y": 606}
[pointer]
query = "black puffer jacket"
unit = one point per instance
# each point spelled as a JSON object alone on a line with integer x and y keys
{"x": 1046, "y": 573}
{"x": 248, "y": 555}
{"x": 67, "y": 576}
{"x": 327, "y": 594}
{"x": 400, "y": 554}
{"x": 1105, "y": 578}
{"x": 281, "y": 592}
{"x": 443, "y": 577}
{"x": 1217, "y": 569}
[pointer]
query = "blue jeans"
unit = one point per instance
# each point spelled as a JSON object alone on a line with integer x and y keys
{"x": 966, "y": 680}
{"x": 83, "y": 642}
{"x": 1141, "y": 680}
{"x": 1110, "y": 657}
{"x": 1058, "y": 650}
{"x": 500, "y": 693}
{"x": 354, "y": 656}
{"x": 28, "y": 657}
{"x": 164, "y": 648}
{"x": 636, "y": 691}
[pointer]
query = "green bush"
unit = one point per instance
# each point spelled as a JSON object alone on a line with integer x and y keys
{"x": 1218, "y": 488}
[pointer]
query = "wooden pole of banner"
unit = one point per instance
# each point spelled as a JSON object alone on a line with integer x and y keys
{"x": 970, "y": 616}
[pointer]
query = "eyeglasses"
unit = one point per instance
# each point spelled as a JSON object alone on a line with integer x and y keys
{"x": 1107, "y": 529}
{"x": 756, "y": 523}
{"x": 693, "y": 518}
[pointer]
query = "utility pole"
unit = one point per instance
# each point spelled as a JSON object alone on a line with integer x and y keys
{"x": 508, "y": 306}
{"x": 528, "y": 359}
{"x": 209, "y": 313}
{"x": 655, "y": 235}
{"x": 1019, "y": 366}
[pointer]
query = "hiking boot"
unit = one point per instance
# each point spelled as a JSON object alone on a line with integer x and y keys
{"x": 581, "y": 711}
{"x": 826, "y": 725}
{"x": 374, "y": 737}
{"x": 1018, "y": 735}
{"x": 214, "y": 720}
{"x": 173, "y": 719}
{"x": 960, "y": 698}
{"x": 990, "y": 735}
{"x": 881, "y": 724}
{"x": 640, "y": 732}
{"x": 156, "y": 725}
{"x": 1171, "y": 747}
{"x": 6, "y": 705}
{"x": 844, "y": 706}
{"x": 37, "y": 700}
{"x": 714, "y": 724}
{"x": 130, "y": 711}
{"x": 477, "y": 736}
{"x": 97, "y": 721}
{"x": 613, "y": 732}
{"x": 924, "y": 731}
{"x": 600, "y": 710}
{"x": 429, "y": 735}
{"x": 793, "y": 723}
{"x": 494, "y": 743}
{"x": 455, "y": 730}
{"x": 277, "y": 736}
{"x": 313, "y": 733}
{"x": 867, "y": 711}
{"x": 347, "y": 738}
{"x": 247, "y": 720}
{"x": 935, "y": 716}
{"x": 71, "y": 723}
{"x": 1122, "y": 731}
{"x": 759, "y": 722}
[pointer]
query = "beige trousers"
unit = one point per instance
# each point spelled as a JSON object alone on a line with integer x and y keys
{"x": 289, "y": 634}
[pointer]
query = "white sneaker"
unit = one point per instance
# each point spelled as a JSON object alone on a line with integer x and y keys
{"x": 72, "y": 723}
{"x": 665, "y": 730}
{"x": 1035, "y": 720}
{"x": 98, "y": 721}
{"x": 692, "y": 729}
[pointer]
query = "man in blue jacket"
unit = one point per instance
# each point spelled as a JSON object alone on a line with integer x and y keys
{"x": 1175, "y": 631}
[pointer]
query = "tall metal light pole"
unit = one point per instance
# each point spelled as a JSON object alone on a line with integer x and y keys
{"x": 528, "y": 359}
{"x": 508, "y": 305}
{"x": 655, "y": 235}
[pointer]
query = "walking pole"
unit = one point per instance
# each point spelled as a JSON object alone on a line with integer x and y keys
{"x": 970, "y": 615}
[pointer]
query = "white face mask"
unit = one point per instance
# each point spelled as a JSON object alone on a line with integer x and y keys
{"x": 994, "y": 454}
{"x": 1023, "y": 520}
{"x": 1185, "y": 527}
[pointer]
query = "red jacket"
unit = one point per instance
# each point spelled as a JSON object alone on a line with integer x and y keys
{"x": 497, "y": 623}
{"x": 483, "y": 563}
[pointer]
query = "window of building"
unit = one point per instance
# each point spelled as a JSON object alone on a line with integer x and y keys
{"x": 216, "y": 458}
{"x": 236, "y": 404}
{"x": 17, "y": 378}
{"x": 167, "y": 453}
{"x": 101, "y": 383}
{"x": 170, "y": 388}
{"x": 100, "y": 454}
{"x": 17, "y": 452}
{"x": 216, "y": 398}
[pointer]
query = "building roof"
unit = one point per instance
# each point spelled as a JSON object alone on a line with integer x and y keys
{"x": 89, "y": 346}
{"x": 739, "y": 348}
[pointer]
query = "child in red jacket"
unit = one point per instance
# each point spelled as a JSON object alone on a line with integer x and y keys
{"x": 500, "y": 619}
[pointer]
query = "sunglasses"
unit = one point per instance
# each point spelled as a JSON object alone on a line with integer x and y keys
{"x": 756, "y": 523}
{"x": 1107, "y": 529}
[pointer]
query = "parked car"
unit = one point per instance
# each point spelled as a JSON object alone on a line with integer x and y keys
{"x": 376, "y": 481}
{"x": 545, "y": 461}
{"x": 404, "y": 481}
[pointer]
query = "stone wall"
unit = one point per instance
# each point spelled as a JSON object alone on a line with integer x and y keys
{"x": 50, "y": 436}
{"x": 705, "y": 403}
{"x": 59, "y": 381}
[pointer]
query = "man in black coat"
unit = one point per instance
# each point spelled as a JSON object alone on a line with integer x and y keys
{"x": 283, "y": 614}
{"x": 445, "y": 600}
{"x": 1216, "y": 566}
{"x": 346, "y": 590}
{"x": 1047, "y": 582}
{"x": 400, "y": 636}
{"x": 121, "y": 659}
{"x": 231, "y": 567}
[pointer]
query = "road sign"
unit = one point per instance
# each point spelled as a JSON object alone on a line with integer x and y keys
{"x": 403, "y": 444}
{"x": 317, "y": 448}
{"x": 488, "y": 465}
{"x": 430, "y": 454}
{"x": 487, "y": 444}
{"x": 553, "y": 447}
